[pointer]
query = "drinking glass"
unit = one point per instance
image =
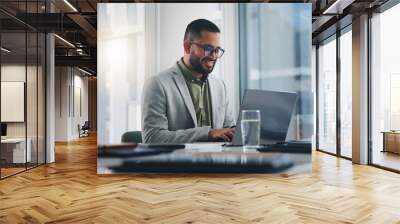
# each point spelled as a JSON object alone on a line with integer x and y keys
{"x": 250, "y": 127}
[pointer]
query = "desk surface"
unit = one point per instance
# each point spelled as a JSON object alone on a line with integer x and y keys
{"x": 207, "y": 158}
{"x": 13, "y": 140}
{"x": 391, "y": 132}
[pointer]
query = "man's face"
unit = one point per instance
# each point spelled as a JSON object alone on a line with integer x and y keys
{"x": 200, "y": 61}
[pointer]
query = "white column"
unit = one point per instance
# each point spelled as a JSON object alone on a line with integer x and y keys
{"x": 360, "y": 90}
{"x": 50, "y": 92}
{"x": 50, "y": 99}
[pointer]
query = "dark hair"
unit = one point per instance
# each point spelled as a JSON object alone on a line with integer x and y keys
{"x": 194, "y": 29}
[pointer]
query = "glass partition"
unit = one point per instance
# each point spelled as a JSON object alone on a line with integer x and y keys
{"x": 267, "y": 47}
{"x": 130, "y": 33}
{"x": 22, "y": 87}
{"x": 14, "y": 153}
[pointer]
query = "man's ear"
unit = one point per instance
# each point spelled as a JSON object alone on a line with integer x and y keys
{"x": 186, "y": 47}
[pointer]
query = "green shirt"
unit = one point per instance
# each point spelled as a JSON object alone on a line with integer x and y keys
{"x": 200, "y": 94}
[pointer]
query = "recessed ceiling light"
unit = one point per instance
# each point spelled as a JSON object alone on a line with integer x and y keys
{"x": 64, "y": 40}
{"x": 5, "y": 50}
{"x": 337, "y": 7}
{"x": 84, "y": 71}
{"x": 70, "y": 5}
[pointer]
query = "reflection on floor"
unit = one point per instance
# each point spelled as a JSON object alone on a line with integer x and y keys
{"x": 10, "y": 169}
{"x": 386, "y": 159}
{"x": 346, "y": 152}
{"x": 70, "y": 191}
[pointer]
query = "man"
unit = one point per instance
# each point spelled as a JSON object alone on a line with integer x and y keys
{"x": 184, "y": 104}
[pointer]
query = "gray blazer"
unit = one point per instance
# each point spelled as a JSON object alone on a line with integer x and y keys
{"x": 168, "y": 114}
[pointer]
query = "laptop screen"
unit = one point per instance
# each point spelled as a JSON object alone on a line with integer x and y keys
{"x": 276, "y": 111}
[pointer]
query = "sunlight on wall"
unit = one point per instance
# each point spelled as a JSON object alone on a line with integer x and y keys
{"x": 121, "y": 60}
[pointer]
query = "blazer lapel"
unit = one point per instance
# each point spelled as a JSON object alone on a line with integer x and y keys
{"x": 183, "y": 89}
{"x": 214, "y": 104}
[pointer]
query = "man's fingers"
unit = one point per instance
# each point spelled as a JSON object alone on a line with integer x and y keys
{"x": 229, "y": 134}
{"x": 224, "y": 134}
{"x": 225, "y": 137}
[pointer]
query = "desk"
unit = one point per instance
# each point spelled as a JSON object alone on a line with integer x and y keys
{"x": 208, "y": 158}
{"x": 13, "y": 150}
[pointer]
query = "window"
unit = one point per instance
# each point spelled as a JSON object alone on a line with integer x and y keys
{"x": 327, "y": 96}
{"x": 333, "y": 137}
{"x": 346, "y": 93}
{"x": 275, "y": 55}
{"x": 385, "y": 89}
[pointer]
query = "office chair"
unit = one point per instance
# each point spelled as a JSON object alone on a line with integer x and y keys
{"x": 132, "y": 137}
{"x": 84, "y": 130}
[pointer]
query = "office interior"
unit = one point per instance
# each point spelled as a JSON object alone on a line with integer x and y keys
{"x": 27, "y": 62}
{"x": 49, "y": 79}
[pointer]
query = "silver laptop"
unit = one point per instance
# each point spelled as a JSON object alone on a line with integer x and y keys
{"x": 276, "y": 111}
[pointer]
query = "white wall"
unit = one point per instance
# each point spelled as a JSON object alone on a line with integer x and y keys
{"x": 80, "y": 83}
{"x": 174, "y": 17}
{"x": 12, "y": 73}
{"x": 13, "y": 101}
{"x": 122, "y": 68}
{"x": 70, "y": 83}
{"x": 61, "y": 103}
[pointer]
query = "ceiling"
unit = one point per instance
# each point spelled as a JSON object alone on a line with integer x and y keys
{"x": 76, "y": 22}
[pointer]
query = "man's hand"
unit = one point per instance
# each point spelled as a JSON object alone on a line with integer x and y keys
{"x": 225, "y": 134}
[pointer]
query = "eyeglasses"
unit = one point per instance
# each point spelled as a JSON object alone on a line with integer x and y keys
{"x": 209, "y": 50}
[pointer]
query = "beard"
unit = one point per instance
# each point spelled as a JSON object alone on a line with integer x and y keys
{"x": 197, "y": 65}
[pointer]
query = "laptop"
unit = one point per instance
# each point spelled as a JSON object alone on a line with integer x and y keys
{"x": 276, "y": 111}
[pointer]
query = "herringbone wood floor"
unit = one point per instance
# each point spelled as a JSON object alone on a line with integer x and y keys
{"x": 70, "y": 191}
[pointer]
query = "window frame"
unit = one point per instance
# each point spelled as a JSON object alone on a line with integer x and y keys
{"x": 334, "y": 37}
{"x": 378, "y": 10}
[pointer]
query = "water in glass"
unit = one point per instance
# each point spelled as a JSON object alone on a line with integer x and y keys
{"x": 250, "y": 127}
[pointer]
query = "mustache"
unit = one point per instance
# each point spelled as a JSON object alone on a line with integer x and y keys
{"x": 208, "y": 59}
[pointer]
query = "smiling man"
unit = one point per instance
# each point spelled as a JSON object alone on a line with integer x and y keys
{"x": 184, "y": 103}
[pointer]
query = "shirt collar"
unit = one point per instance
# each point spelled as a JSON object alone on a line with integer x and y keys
{"x": 187, "y": 73}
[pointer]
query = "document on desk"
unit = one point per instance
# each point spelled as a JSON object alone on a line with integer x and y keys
{"x": 205, "y": 147}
